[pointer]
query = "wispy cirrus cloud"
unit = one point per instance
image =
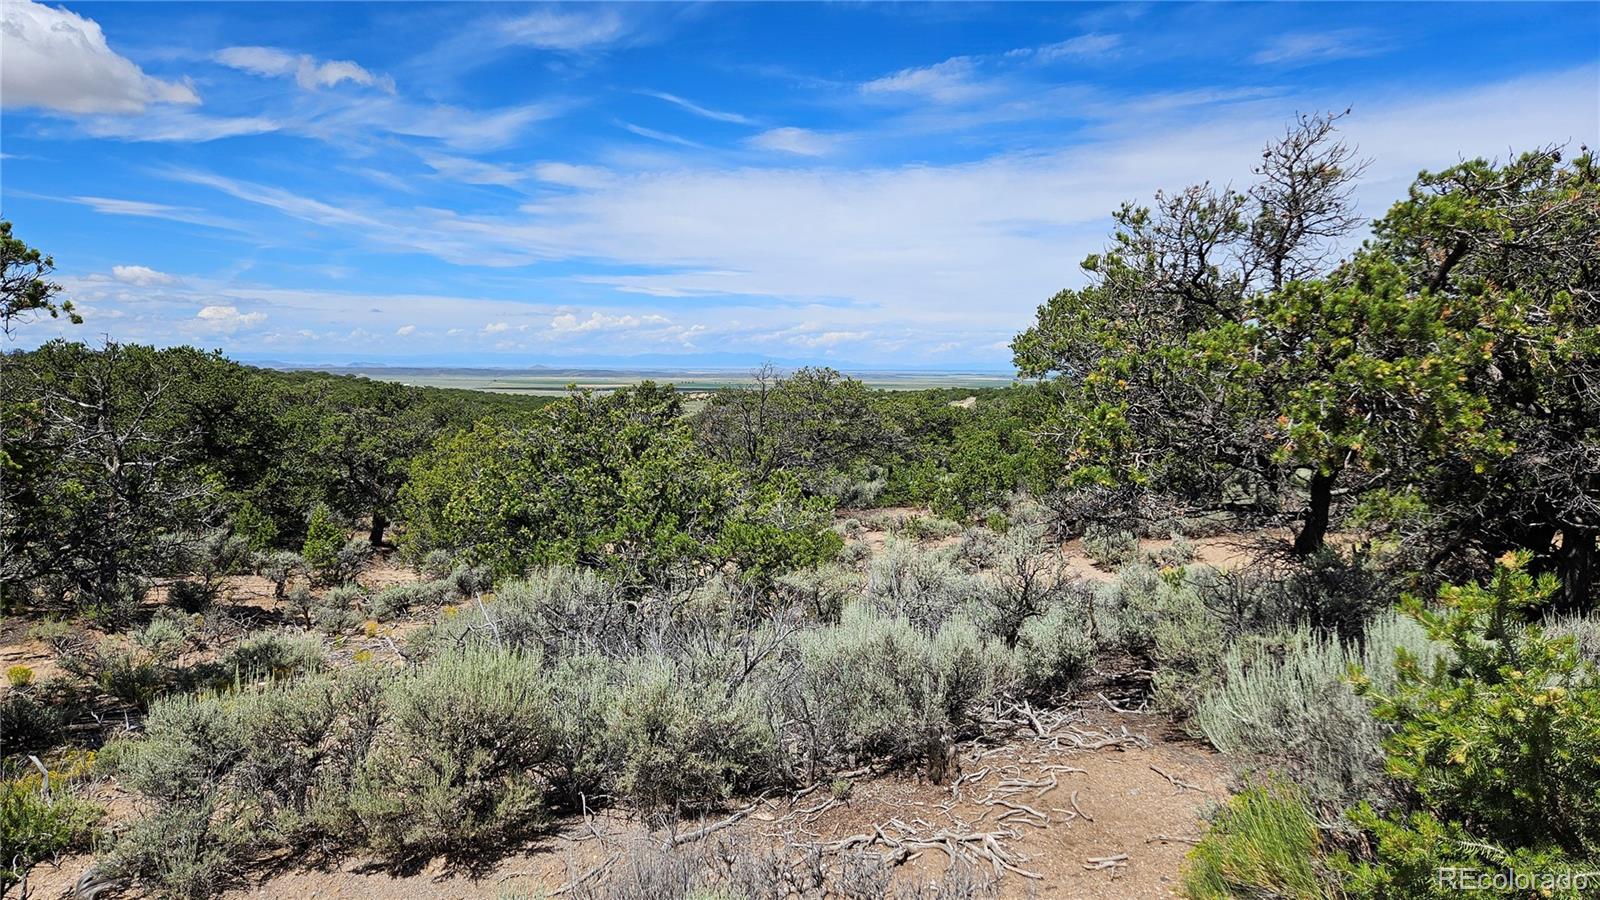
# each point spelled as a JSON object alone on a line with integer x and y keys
{"x": 564, "y": 28}
{"x": 1305, "y": 48}
{"x": 714, "y": 115}
{"x": 954, "y": 80}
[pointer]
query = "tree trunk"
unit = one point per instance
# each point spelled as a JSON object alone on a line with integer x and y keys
{"x": 1578, "y": 565}
{"x": 1315, "y": 530}
{"x": 380, "y": 523}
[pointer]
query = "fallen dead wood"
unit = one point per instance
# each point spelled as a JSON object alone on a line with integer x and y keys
{"x": 678, "y": 840}
{"x": 1177, "y": 782}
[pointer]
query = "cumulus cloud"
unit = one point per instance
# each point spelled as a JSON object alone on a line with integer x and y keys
{"x": 567, "y": 322}
{"x": 799, "y": 141}
{"x": 309, "y": 72}
{"x": 228, "y": 319}
{"x": 142, "y": 276}
{"x": 406, "y": 330}
{"x": 55, "y": 59}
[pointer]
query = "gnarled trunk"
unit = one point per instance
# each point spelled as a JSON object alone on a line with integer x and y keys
{"x": 380, "y": 524}
{"x": 1578, "y": 566}
{"x": 1318, "y": 509}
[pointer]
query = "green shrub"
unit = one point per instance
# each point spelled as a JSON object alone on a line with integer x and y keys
{"x": 190, "y": 596}
{"x": 1501, "y": 746}
{"x": 1263, "y": 843}
{"x": 324, "y": 540}
{"x": 39, "y": 820}
{"x": 1187, "y": 648}
{"x": 459, "y": 764}
{"x": 1288, "y": 702}
{"x": 31, "y": 719}
{"x": 133, "y": 677}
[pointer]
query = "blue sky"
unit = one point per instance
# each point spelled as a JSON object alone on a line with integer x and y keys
{"x": 504, "y": 184}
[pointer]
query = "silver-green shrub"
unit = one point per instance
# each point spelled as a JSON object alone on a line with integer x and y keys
{"x": 921, "y": 584}
{"x": 272, "y": 654}
{"x": 875, "y": 684}
{"x": 557, "y": 611}
{"x": 459, "y": 763}
{"x": 1053, "y": 650}
{"x": 1584, "y": 631}
{"x": 394, "y": 601}
{"x": 683, "y": 743}
{"x": 821, "y": 591}
{"x": 1287, "y": 702}
{"x": 1109, "y": 547}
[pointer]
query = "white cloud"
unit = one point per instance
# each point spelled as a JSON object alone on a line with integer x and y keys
{"x": 950, "y": 81}
{"x": 472, "y": 171}
{"x": 916, "y": 252}
{"x": 228, "y": 319}
{"x": 406, "y": 330}
{"x": 567, "y": 322}
{"x": 1319, "y": 46}
{"x": 142, "y": 276}
{"x": 112, "y": 206}
{"x": 496, "y": 327}
{"x": 308, "y": 72}
{"x": 662, "y": 136}
{"x": 799, "y": 141}
{"x": 551, "y": 29}
{"x": 697, "y": 109}
{"x": 56, "y": 59}
{"x": 1084, "y": 46}
{"x": 571, "y": 175}
{"x": 176, "y": 125}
